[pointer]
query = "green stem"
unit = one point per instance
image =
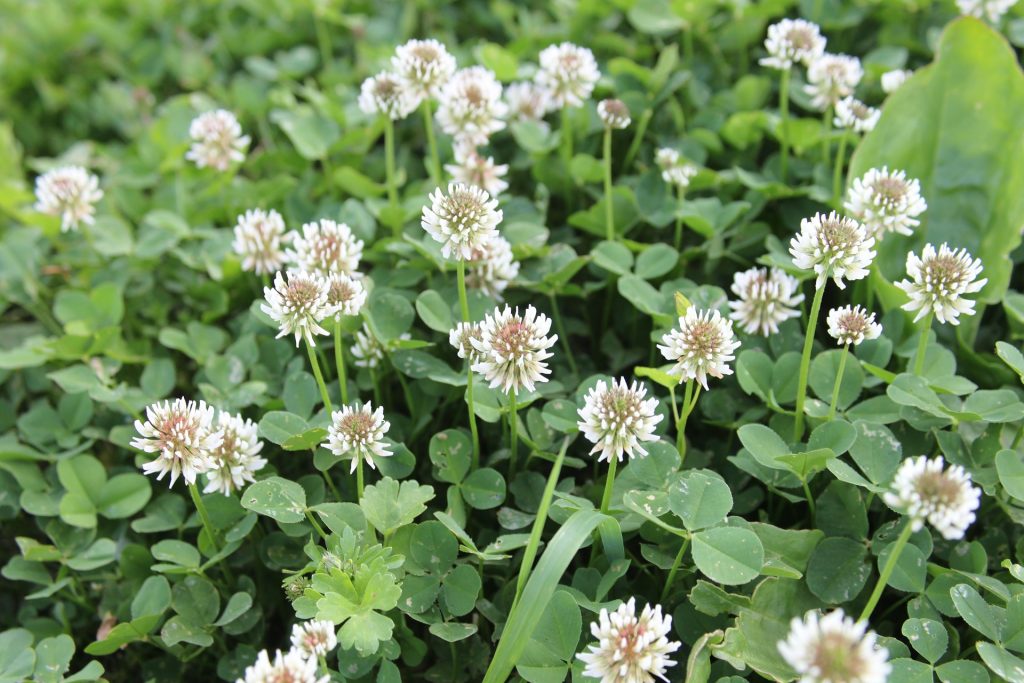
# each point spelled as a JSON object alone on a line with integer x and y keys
{"x": 330, "y": 483}
{"x": 464, "y": 308}
{"x": 435, "y": 156}
{"x": 562, "y": 335}
{"x": 319, "y": 377}
{"x": 675, "y": 569}
{"x": 810, "y": 499}
{"x": 837, "y": 173}
{"x": 922, "y": 345}
{"x": 323, "y": 40}
{"x": 339, "y": 362}
{"x": 839, "y": 382}
{"x": 688, "y": 402}
{"x": 680, "y": 194}
{"x": 316, "y": 525}
{"x": 890, "y": 565}
{"x": 513, "y": 427}
{"x": 606, "y": 497}
{"x": 203, "y": 516}
{"x": 566, "y": 131}
{"x": 638, "y": 137}
{"x": 359, "y": 480}
{"x": 826, "y": 144}
{"x": 389, "y": 167}
{"x": 805, "y": 363}
{"x": 609, "y": 207}
{"x": 784, "y": 116}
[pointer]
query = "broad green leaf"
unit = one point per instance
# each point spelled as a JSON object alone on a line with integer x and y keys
{"x": 388, "y": 505}
{"x": 277, "y": 498}
{"x": 731, "y": 556}
{"x": 927, "y": 636}
{"x": 700, "y": 498}
{"x": 838, "y": 569}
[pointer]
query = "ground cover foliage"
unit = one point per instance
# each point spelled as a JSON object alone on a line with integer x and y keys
{"x": 534, "y": 354}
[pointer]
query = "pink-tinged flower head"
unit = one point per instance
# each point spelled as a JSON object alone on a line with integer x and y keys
{"x": 217, "y": 140}
{"x": 703, "y": 345}
{"x": 514, "y": 349}
{"x": 183, "y": 437}
{"x": 833, "y": 246}
{"x": 463, "y": 220}
{"x": 938, "y": 282}
{"x": 259, "y": 240}
{"x": 630, "y": 649}
{"x": 569, "y": 73}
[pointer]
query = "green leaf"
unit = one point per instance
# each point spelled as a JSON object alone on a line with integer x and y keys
{"x": 1003, "y": 664}
{"x": 124, "y": 495}
{"x": 196, "y": 600}
{"x": 388, "y": 506}
{"x": 17, "y": 658}
{"x": 311, "y": 132}
{"x": 927, "y": 636}
{"x": 838, "y": 570}
{"x": 613, "y": 257}
{"x": 435, "y": 312}
{"x": 389, "y": 314}
{"x": 484, "y": 489}
{"x": 552, "y": 647}
{"x": 153, "y": 598}
{"x": 731, "y": 556}
{"x": 53, "y": 658}
{"x": 655, "y": 261}
{"x": 178, "y": 552}
{"x": 278, "y": 498}
{"x": 460, "y": 589}
{"x": 452, "y": 632}
{"x": 700, "y": 498}
{"x": 984, "y": 618}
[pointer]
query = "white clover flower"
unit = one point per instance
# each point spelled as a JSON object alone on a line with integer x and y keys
{"x": 674, "y": 169}
{"x": 938, "y": 281}
{"x": 569, "y": 72}
{"x": 326, "y": 247}
{"x": 792, "y": 41}
{"x": 345, "y": 294}
{"x": 630, "y": 649}
{"x": 358, "y": 432}
{"x": 892, "y": 80}
{"x": 471, "y": 108}
{"x": 423, "y": 67}
{"x": 463, "y": 220}
{"x": 617, "y": 418}
{"x": 236, "y": 459}
{"x": 854, "y": 115}
{"x": 477, "y": 170}
{"x": 993, "y": 10}
{"x": 945, "y": 498}
{"x": 259, "y": 239}
{"x": 766, "y": 298}
{"x": 613, "y": 114}
{"x": 182, "y": 435}
{"x": 886, "y": 201}
{"x": 366, "y": 350}
{"x": 492, "y": 267}
{"x": 217, "y": 140}
{"x": 385, "y": 94}
{"x": 513, "y": 349}
{"x": 834, "y": 649}
{"x": 70, "y": 192}
{"x": 461, "y": 338}
{"x": 291, "y": 667}
{"x": 834, "y": 247}
{"x": 298, "y": 304}
{"x": 830, "y": 78}
{"x": 852, "y": 325}
{"x": 703, "y": 345}
{"x": 528, "y": 102}
{"x": 314, "y": 639}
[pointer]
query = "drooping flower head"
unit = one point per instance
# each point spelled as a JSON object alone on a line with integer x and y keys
{"x": 236, "y": 459}
{"x": 358, "y": 432}
{"x": 830, "y": 78}
{"x": 314, "y": 638}
{"x": 886, "y": 201}
{"x": 259, "y": 240}
{"x": 767, "y": 297}
{"x": 217, "y": 140}
{"x": 298, "y": 303}
{"x": 70, "y": 192}
{"x": 938, "y": 282}
{"x": 461, "y": 338}
{"x": 993, "y": 10}
{"x": 423, "y": 67}
{"x": 618, "y": 418}
{"x": 385, "y": 94}
{"x": 463, "y": 220}
{"x": 892, "y": 80}
{"x": 183, "y": 437}
{"x": 528, "y": 102}
{"x": 703, "y": 345}
{"x": 290, "y": 667}
{"x": 613, "y": 113}
{"x": 514, "y": 348}
{"x": 852, "y": 325}
{"x": 792, "y": 41}
{"x": 833, "y": 246}
{"x": 630, "y": 649}
{"x": 471, "y": 108}
{"x": 345, "y": 294}
{"x": 852, "y": 114}
{"x": 674, "y": 169}
{"x": 924, "y": 491}
{"x": 472, "y": 168}
{"x": 326, "y": 247}
{"x": 492, "y": 268}
{"x": 569, "y": 72}
{"x": 834, "y": 649}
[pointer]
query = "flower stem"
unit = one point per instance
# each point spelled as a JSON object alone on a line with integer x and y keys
{"x": 562, "y": 335}
{"x": 606, "y": 497}
{"x": 566, "y": 136}
{"x": 922, "y": 345}
{"x": 784, "y": 125}
{"x": 837, "y": 173}
{"x": 680, "y": 193}
{"x": 435, "y": 156}
{"x": 826, "y": 144}
{"x": 203, "y": 516}
{"x": 887, "y": 570}
{"x": 330, "y": 482}
{"x": 464, "y": 308}
{"x": 513, "y": 427}
{"x": 638, "y": 137}
{"x": 839, "y": 382}
{"x": 359, "y": 479}
{"x": 810, "y": 499}
{"x": 675, "y": 569}
{"x": 389, "y": 167}
{"x": 609, "y": 207}
{"x": 689, "y": 401}
{"x": 319, "y": 377}
{"x": 319, "y": 529}
{"x": 339, "y": 362}
{"x": 805, "y": 363}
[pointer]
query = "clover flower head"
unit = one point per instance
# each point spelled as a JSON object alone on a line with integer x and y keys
{"x": 367, "y": 351}
{"x": 423, "y": 67}
{"x": 461, "y": 338}
{"x": 703, "y": 345}
{"x": 833, "y": 246}
{"x": 886, "y": 201}
{"x": 346, "y": 294}
{"x": 492, "y": 268}
{"x": 830, "y": 78}
{"x": 926, "y": 491}
{"x": 217, "y": 140}
{"x": 358, "y": 432}
{"x": 938, "y": 282}
{"x": 236, "y": 459}
{"x": 259, "y": 239}
{"x": 792, "y": 41}
{"x": 528, "y": 101}
{"x": 314, "y": 638}
{"x": 674, "y": 169}
{"x": 298, "y": 303}
{"x": 471, "y": 108}
{"x": 852, "y": 325}
{"x": 617, "y": 418}
{"x": 183, "y": 437}
{"x": 463, "y": 220}
{"x": 834, "y": 649}
{"x": 473, "y": 168}
{"x": 514, "y": 348}
{"x": 767, "y": 297}
{"x": 630, "y": 649}
{"x": 326, "y": 247}
{"x": 569, "y": 72}
{"x": 993, "y": 10}
{"x": 613, "y": 114}
{"x": 386, "y": 94}
{"x": 892, "y": 80}
{"x": 70, "y": 192}
{"x": 290, "y": 667}
{"x": 852, "y": 114}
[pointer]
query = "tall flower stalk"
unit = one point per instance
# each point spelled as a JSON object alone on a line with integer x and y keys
{"x": 614, "y": 114}
{"x": 464, "y": 309}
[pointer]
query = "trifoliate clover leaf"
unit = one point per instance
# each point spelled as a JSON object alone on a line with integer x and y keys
{"x": 388, "y": 506}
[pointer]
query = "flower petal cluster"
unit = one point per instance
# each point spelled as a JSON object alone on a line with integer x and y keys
{"x": 674, "y": 169}
{"x": 386, "y": 94}
{"x": 358, "y": 432}
{"x": 492, "y": 268}
{"x": 613, "y": 114}
{"x": 182, "y": 435}
{"x": 993, "y": 10}
{"x": 314, "y": 638}
{"x": 852, "y": 325}
{"x": 924, "y": 490}
{"x": 259, "y": 240}
{"x": 703, "y": 345}
{"x": 345, "y": 294}
{"x": 617, "y": 418}
{"x": 792, "y": 41}
{"x": 767, "y": 297}
{"x": 472, "y": 168}
{"x": 463, "y": 220}
{"x": 289, "y": 667}
{"x": 423, "y": 67}
{"x": 832, "y": 648}
{"x": 892, "y": 80}
{"x": 461, "y": 338}
{"x": 471, "y": 108}
{"x": 513, "y": 349}
{"x": 852, "y": 114}
{"x": 298, "y": 302}
{"x": 528, "y": 101}
{"x": 833, "y": 246}
{"x": 886, "y": 201}
{"x": 630, "y": 649}
{"x": 569, "y": 73}
{"x": 217, "y": 140}
{"x": 938, "y": 282}
{"x": 236, "y": 459}
{"x": 326, "y": 247}
{"x": 830, "y": 78}
{"x": 70, "y": 192}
